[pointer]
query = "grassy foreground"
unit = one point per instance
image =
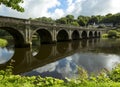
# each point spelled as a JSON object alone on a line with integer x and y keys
{"x": 3, "y": 42}
{"x": 103, "y": 79}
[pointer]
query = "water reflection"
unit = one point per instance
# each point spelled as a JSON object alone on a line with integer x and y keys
{"x": 5, "y": 55}
{"x": 67, "y": 67}
{"x": 61, "y": 60}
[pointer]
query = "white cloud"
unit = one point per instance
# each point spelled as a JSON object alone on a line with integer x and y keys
{"x": 74, "y": 8}
{"x": 58, "y": 13}
{"x": 32, "y": 8}
{"x": 47, "y": 68}
{"x": 115, "y": 5}
{"x": 41, "y": 8}
{"x": 94, "y": 7}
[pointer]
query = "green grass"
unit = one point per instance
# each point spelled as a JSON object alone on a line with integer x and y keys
{"x": 22, "y": 81}
{"x": 18, "y": 81}
{"x": 3, "y": 42}
{"x": 93, "y": 84}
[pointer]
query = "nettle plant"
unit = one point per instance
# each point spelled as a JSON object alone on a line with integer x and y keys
{"x": 114, "y": 75}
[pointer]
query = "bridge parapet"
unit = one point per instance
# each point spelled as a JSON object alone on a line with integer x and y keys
{"x": 12, "y": 20}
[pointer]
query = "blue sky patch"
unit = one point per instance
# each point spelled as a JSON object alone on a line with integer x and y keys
{"x": 63, "y": 5}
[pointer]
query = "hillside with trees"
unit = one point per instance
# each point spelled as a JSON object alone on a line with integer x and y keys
{"x": 99, "y": 20}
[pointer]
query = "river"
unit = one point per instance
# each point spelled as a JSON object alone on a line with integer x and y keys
{"x": 63, "y": 59}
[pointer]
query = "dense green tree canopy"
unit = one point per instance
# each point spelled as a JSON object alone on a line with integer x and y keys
{"x": 45, "y": 19}
{"x": 70, "y": 19}
{"x": 75, "y": 23}
{"x": 112, "y": 33}
{"x": 62, "y": 20}
{"x": 81, "y": 20}
{"x": 14, "y": 4}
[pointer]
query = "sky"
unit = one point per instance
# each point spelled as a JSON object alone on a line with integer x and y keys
{"x": 60, "y": 8}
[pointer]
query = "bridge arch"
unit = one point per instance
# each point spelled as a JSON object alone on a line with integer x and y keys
{"x": 19, "y": 39}
{"x": 75, "y": 35}
{"x": 98, "y": 34}
{"x": 84, "y": 34}
{"x": 44, "y": 34}
{"x": 62, "y": 35}
{"x": 90, "y": 34}
{"x": 95, "y": 34}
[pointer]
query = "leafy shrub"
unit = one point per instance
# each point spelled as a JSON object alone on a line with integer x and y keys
{"x": 118, "y": 34}
{"x": 104, "y": 35}
{"x": 112, "y": 33}
{"x": 115, "y": 74}
{"x": 3, "y": 42}
{"x": 103, "y": 76}
{"x": 83, "y": 75}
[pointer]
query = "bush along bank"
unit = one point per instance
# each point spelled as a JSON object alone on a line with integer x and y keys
{"x": 112, "y": 34}
{"x": 3, "y": 42}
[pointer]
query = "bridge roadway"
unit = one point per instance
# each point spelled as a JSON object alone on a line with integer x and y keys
{"x": 23, "y": 31}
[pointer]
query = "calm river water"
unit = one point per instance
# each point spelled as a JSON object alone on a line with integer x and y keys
{"x": 62, "y": 59}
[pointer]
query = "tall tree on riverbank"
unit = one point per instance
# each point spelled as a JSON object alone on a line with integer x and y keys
{"x": 70, "y": 19}
{"x": 83, "y": 20}
{"x": 14, "y": 4}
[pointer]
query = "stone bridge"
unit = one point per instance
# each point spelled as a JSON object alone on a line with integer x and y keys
{"x": 23, "y": 31}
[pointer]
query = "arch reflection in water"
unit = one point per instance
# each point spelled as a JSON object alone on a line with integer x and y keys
{"x": 45, "y": 54}
{"x": 26, "y": 61}
{"x": 76, "y": 44}
{"x": 62, "y": 48}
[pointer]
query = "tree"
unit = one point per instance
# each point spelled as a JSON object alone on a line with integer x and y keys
{"x": 107, "y": 18}
{"x": 45, "y": 19}
{"x": 116, "y": 19}
{"x": 112, "y": 33}
{"x": 94, "y": 19}
{"x": 62, "y": 20}
{"x": 70, "y": 19}
{"x": 14, "y": 4}
{"x": 82, "y": 20}
{"x": 75, "y": 23}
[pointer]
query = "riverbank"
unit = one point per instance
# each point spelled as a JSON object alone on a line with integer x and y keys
{"x": 3, "y": 42}
{"x": 112, "y": 34}
{"x": 103, "y": 79}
